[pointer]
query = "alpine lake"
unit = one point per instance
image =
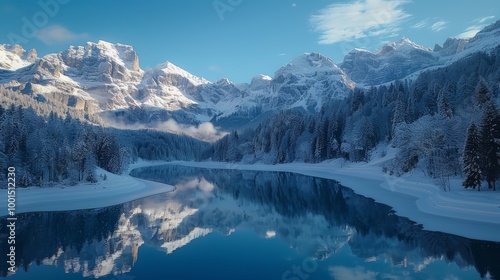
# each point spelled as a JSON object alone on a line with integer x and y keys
{"x": 233, "y": 224}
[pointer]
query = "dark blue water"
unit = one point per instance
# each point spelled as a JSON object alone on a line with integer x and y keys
{"x": 222, "y": 224}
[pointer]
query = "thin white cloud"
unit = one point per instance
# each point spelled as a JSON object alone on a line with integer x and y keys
{"x": 282, "y": 54}
{"x": 421, "y": 24}
{"x": 477, "y": 25}
{"x": 214, "y": 68}
{"x": 359, "y": 19}
{"x": 54, "y": 34}
{"x": 438, "y": 26}
{"x": 469, "y": 32}
{"x": 204, "y": 131}
{"x": 484, "y": 19}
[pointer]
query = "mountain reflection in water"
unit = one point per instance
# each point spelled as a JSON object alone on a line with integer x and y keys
{"x": 317, "y": 217}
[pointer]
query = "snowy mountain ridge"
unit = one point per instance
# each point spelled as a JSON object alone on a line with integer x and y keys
{"x": 13, "y": 57}
{"x": 403, "y": 58}
{"x": 106, "y": 78}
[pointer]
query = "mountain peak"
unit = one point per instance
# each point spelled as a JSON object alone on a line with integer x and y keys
{"x": 308, "y": 63}
{"x": 404, "y": 40}
{"x": 223, "y": 82}
{"x": 403, "y": 45}
{"x": 105, "y": 44}
{"x": 492, "y": 27}
{"x": 172, "y": 69}
{"x": 15, "y": 49}
{"x": 394, "y": 61}
{"x": 120, "y": 54}
{"x": 262, "y": 77}
{"x": 13, "y": 57}
{"x": 489, "y": 33}
{"x": 313, "y": 60}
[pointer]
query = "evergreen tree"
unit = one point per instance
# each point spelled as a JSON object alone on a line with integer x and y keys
{"x": 471, "y": 159}
{"x": 483, "y": 95}
{"x": 444, "y": 107}
{"x": 233, "y": 153}
{"x": 399, "y": 114}
{"x": 490, "y": 131}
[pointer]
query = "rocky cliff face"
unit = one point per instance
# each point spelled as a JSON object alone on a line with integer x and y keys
{"x": 309, "y": 81}
{"x": 451, "y": 46}
{"x": 13, "y": 57}
{"x": 394, "y": 61}
{"x": 102, "y": 61}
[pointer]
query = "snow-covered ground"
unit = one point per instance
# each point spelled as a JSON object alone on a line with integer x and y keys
{"x": 462, "y": 212}
{"x": 116, "y": 189}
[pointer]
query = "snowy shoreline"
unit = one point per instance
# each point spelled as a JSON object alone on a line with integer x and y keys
{"x": 116, "y": 189}
{"x": 461, "y": 212}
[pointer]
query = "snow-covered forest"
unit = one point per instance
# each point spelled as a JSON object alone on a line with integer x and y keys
{"x": 54, "y": 149}
{"x": 443, "y": 119}
{"x": 426, "y": 118}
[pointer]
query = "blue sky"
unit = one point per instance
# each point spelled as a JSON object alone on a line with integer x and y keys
{"x": 238, "y": 39}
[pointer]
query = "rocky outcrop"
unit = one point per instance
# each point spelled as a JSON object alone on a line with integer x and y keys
{"x": 451, "y": 46}
{"x": 103, "y": 61}
{"x": 394, "y": 61}
{"x": 32, "y": 56}
{"x": 13, "y": 57}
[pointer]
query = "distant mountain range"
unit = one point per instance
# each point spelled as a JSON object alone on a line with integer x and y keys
{"x": 106, "y": 79}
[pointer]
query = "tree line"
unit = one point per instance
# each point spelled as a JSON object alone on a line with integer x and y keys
{"x": 426, "y": 119}
{"x": 52, "y": 149}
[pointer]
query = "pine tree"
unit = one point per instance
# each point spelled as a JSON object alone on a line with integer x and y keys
{"x": 444, "y": 107}
{"x": 471, "y": 159}
{"x": 483, "y": 95}
{"x": 399, "y": 114}
{"x": 490, "y": 131}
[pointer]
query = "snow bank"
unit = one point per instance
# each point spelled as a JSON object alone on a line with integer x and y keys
{"x": 116, "y": 189}
{"x": 466, "y": 213}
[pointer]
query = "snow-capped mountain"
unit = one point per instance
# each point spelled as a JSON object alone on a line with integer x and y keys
{"x": 451, "y": 46}
{"x": 106, "y": 78}
{"x": 308, "y": 81}
{"x": 403, "y": 58}
{"x": 13, "y": 57}
{"x": 394, "y": 61}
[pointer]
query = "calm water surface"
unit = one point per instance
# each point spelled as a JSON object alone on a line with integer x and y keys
{"x": 227, "y": 224}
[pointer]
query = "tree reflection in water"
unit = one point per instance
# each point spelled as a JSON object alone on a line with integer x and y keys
{"x": 316, "y": 216}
